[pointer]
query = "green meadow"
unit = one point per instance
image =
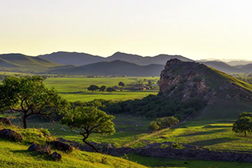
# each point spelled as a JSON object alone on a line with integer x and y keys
{"x": 75, "y": 88}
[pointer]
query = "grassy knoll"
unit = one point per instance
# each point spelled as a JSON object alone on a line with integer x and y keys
{"x": 75, "y": 88}
{"x": 15, "y": 154}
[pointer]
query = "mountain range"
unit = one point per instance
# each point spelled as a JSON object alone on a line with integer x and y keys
{"x": 117, "y": 64}
{"x": 78, "y": 59}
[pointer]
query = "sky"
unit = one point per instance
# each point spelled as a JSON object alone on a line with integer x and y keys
{"x": 198, "y": 29}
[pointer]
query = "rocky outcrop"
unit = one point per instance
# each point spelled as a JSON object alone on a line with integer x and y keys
{"x": 10, "y": 135}
{"x": 61, "y": 146}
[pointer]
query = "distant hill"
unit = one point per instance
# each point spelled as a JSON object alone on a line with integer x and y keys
{"x": 20, "y": 61}
{"x": 140, "y": 60}
{"x": 75, "y": 58}
{"x": 225, "y": 95}
{"x": 114, "y": 68}
{"x": 221, "y": 66}
{"x": 247, "y": 68}
{"x": 238, "y": 62}
{"x": 72, "y": 58}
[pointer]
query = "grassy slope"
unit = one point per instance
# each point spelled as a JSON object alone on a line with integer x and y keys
{"x": 16, "y": 155}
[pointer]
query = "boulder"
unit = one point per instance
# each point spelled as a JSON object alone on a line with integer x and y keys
{"x": 34, "y": 147}
{"x": 10, "y": 135}
{"x": 56, "y": 156}
{"x": 62, "y": 146}
{"x": 5, "y": 121}
{"x": 46, "y": 150}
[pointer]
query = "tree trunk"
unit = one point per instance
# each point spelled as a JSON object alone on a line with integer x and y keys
{"x": 24, "y": 122}
{"x": 92, "y": 146}
{"x": 245, "y": 133}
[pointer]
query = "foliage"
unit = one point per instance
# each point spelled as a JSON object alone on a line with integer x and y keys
{"x": 164, "y": 122}
{"x": 243, "y": 124}
{"x": 177, "y": 146}
{"x": 121, "y": 84}
{"x": 154, "y": 126}
{"x": 93, "y": 88}
{"x": 103, "y": 88}
{"x": 110, "y": 89}
{"x": 89, "y": 120}
{"x": 28, "y": 95}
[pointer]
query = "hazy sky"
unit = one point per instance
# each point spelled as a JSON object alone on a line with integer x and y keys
{"x": 197, "y": 29}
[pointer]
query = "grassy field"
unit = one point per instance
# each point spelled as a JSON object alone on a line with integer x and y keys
{"x": 175, "y": 163}
{"x": 133, "y": 131}
{"x": 75, "y": 88}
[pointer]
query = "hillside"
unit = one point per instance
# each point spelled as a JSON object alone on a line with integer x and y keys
{"x": 247, "y": 68}
{"x": 226, "y": 96}
{"x": 116, "y": 68}
{"x": 20, "y": 61}
{"x": 140, "y": 60}
{"x": 75, "y": 58}
{"x": 72, "y": 58}
{"x": 16, "y": 154}
{"x": 224, "y": 67}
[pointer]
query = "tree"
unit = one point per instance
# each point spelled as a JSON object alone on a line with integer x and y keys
{"x": 28, "y": 95}
{"x": 150, "y": 84}
{"x": 103, "y": 88}
{"x": 154, "y": 126}
{"x": 121, "y": 84}
{"x": 89, "y": 120}
{"x": 110, "y": 89}
{"x": 93, "y": 88}
{"x": 243, "y": 125}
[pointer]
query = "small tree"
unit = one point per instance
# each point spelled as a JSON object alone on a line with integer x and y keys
{"x": 121, "y": 84}
{"x": 28, "y": 95}
{"x": 93, "y": 88}
{"x": 89, "y": 120}
{"x": 243, "y": 125}
{"x": 164, "y": 122}
{"x": 150, "y": 84}
{"x": 154, "y": 126}
{"x": 103, "y": 88}
{"x": 110, "y": 89}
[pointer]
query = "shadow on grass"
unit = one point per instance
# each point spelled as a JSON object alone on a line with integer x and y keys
{"x": 217, "y": 126}
{"x": 22, "y": 151}
{"x": 212, "y": 141}
{"x": 203, "y": 133}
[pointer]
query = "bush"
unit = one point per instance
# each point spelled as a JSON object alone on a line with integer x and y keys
{"x": 177, "y": 146}
{"x": 164, "y": 122}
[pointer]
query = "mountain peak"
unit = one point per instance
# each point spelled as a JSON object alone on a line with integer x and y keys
{"x": 190, "y": 80}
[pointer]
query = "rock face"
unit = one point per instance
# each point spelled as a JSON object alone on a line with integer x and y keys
{"x": 5, "y": 121}
{"x": 62, "y": 146}
{"x": 34, "y": 147}
{"x": 183, "y": 77}
{"x": 188, "y": 80}
{"x": 56, "y": 156}
{"x": 10, "y": 135}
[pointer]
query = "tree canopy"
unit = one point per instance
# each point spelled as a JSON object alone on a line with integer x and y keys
{"x": 243, "y": 124}
{"x": 28, "y": 95}
{"x": 121, "y": 84}
{"x": 89, "y": 120}
{"x": 93, "y": 88}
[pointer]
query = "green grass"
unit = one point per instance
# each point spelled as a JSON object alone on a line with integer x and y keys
{"x": 15, "y": 155}
{"x": 75, "y": 88}
{"x": 215, "y": 135}
{"x": 128, "y": 129}
{"x": 175, "y": 163}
